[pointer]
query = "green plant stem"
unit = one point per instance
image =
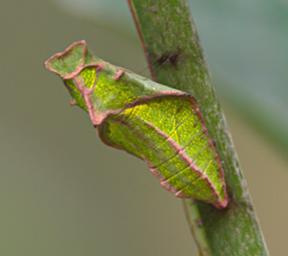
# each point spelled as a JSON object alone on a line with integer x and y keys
{"x": 175, "y": 58}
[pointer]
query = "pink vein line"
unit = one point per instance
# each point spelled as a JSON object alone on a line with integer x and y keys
{"x": 154, "y": 171}
{"x": 86, "y": 92}
{"x": 182, "y": 149}
{"x": 185, "y": 157}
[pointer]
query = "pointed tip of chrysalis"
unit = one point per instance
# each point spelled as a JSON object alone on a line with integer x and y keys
{"x": 221, "y": 199}
{"x": 223, "y": 203}
{"x": 69, "y": 62}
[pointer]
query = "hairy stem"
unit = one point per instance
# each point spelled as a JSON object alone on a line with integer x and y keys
{"x": 175, "y": 58}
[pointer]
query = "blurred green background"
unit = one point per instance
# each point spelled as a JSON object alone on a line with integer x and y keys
{"x": 62, "y": 192}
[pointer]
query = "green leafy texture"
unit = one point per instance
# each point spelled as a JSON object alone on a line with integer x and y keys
{"x": 166, "y": 31}
{"x": 158, "y": 124}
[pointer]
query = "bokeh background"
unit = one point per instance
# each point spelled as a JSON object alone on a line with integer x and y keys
{"x": 62, "y": 192}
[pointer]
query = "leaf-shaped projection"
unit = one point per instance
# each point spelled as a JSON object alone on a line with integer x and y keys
{"x": 158, "y": 124}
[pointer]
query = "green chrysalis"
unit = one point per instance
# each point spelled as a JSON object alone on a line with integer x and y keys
{"x": 158, "y": 124}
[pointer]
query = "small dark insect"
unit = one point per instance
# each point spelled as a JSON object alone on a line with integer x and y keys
{"x": 171, "y": 58}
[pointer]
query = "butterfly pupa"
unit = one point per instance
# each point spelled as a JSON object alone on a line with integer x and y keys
{"x": 160, "y": 125}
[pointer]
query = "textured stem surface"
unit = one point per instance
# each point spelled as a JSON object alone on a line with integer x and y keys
{"x": 175, "y": 58}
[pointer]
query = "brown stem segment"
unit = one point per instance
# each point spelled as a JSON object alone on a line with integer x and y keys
{"x": 175, "y": 58}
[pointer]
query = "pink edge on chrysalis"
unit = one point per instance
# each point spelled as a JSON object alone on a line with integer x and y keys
{"x": 77, "y": 67}
{"x": 166, "y": 186}
{"x": 118, "y": 74}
